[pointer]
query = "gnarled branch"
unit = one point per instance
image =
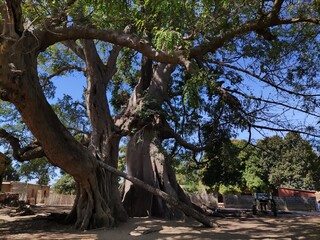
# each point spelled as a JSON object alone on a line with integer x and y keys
{"x": 29, "y": 152}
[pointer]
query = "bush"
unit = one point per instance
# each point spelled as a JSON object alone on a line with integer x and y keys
{"x": 65, "y": 185}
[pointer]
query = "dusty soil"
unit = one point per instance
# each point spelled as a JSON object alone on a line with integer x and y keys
{"x": 297, "y": 225}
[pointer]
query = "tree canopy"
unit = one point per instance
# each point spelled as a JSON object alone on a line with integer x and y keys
{"x": 39, "y": 169}
{"x": 288, "y": 161}
{"x": 273, "y": 162}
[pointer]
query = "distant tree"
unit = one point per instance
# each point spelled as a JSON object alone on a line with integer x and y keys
{"x": 65, "y": 185}
{"x": 39, "y": 169}
{"x": 288, "y": 161}
{"x": 188, "y": 174}
{"x": 225, "y": 167}
{"x": 11, "y": 174}
{"x": 298, "y": 166}
{"x": 273, "y": 162}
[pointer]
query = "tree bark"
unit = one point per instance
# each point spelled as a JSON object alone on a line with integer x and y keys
{"x": 1, "y": 180}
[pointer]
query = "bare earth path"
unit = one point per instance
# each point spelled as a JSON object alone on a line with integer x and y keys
{"x": 300, "y": 225}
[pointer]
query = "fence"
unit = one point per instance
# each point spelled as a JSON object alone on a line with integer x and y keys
{"x": 59, "y": 199}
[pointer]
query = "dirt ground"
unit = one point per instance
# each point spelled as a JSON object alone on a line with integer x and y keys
{"x": 296, "y": 225}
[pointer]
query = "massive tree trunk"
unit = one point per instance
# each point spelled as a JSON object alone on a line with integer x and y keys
{"x": 146, "y": 162}
{"x": 104, "y": 143}
{"x": 144, "y": 157}
{"x": 105, "y": 136}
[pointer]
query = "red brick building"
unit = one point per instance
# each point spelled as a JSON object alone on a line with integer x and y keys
{"x": 292, "y": 192}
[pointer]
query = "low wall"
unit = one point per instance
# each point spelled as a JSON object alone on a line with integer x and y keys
{"x": 283, "y": 203}
{"x": 209, "y": 200}
{"x": 238, "y": 201}
{"x": 297, "y": 203}
{"x": 55, "y": 199}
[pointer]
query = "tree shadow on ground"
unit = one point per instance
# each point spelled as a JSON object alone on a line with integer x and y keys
{"x": 229, "y": 228}
{"x": 243, "y": 227}
{"x": 39, "y": 226}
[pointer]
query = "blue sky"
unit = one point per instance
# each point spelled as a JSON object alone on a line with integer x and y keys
{"x": 70, "y": 85}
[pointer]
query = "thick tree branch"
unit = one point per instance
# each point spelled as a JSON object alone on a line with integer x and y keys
{"x": 12, "y": 26}
{"x": 29, "y": 152}
{"x": 109, "y": 35}
{"x": 171, "y": 200}
{"x": 298, "y": 20}
{"x": 75, "y": 48}
{"x": 145, "y": 47}
{"x": 4, "y": 161}
{"x": 111, "y": 66}
{"x": 13, "y": 141}
{"x": 277, "y": 4}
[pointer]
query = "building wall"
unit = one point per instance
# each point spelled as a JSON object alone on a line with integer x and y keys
{"x": 21, "y": 188}
{"x": 238, "y": 201}
{"x": 297, "y": 203}
{"x": 6, "y": 187}
{"x": 31, "y": 193}
{"x": 42, "y": 193}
